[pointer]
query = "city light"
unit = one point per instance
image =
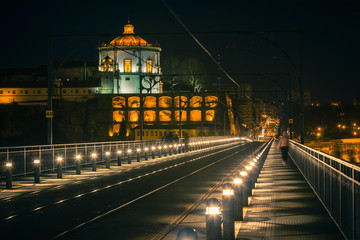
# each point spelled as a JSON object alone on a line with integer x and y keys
{"x": 93, "y": 155}
{"x": 59, "y": 159}
{"x": 36, "y": 161}
{"x": 8, "y": 164}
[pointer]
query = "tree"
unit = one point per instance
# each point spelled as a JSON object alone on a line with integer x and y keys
{"x": 193, "y": 74}
{"x": 171, "y": 71}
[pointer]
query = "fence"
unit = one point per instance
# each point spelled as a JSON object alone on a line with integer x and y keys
{"x": 335, "y": 182}
{"x": 22, "y": 158}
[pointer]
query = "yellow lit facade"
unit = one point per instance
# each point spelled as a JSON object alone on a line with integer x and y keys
{"x": 161, "y": 115}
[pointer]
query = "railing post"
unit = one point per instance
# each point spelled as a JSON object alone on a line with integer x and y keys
{"x": 119, "y": 157}
{"x": 78, "y": 164}
{"x": 129, "y": 156}
{"x": 8, "y": 176}
{"x": 213, "y": 219}
{"x": 238, "y": 198}
{"x": 107, "y": 159}
{"x": 228, "y": 212}
{"x": 59, "y": 167}
{"x": 36, "y": 171}
{"x": 187, "y": 234}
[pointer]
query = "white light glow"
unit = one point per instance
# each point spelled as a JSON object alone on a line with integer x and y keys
{"x": 212, "y": 210}
{"x": 238, "y": 181}
{"x": 243, "y": 173}
{"x": 228, "y": 192}
{"x": 36, "y": 161}
{"x": 8, "y": 164}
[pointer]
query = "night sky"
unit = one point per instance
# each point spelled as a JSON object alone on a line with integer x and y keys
{"x": 331, "y": 37}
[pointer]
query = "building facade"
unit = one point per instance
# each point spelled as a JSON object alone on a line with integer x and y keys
{"x": 129, "y": 64}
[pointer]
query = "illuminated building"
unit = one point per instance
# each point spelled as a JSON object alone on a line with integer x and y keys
{"x": 201, "y": 114}
{"x": 125, "y": 61}
{"x": 36, "y": 93}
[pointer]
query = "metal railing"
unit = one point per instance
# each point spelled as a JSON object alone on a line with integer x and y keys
{"x": 335, "y": 182}
{"x": 22, "y": 158}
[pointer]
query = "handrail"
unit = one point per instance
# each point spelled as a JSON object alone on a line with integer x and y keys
{"x": 335, "y": 182}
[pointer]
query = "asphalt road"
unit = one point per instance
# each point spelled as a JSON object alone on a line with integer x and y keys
{"x": 133, "y": 204}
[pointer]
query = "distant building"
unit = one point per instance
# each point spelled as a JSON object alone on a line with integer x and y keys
{"x": 36, "y": 93}
{"x": 127, "y": 61}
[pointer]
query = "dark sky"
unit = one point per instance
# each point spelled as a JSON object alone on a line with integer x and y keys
{"x": 331, "y": 38}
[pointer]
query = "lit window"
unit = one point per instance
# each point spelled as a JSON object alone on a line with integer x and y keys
{"x": 127, "y": 65}
{"x": 149, "y": 66}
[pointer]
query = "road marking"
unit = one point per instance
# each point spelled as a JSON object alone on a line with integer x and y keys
{"x": 138, "y": 198}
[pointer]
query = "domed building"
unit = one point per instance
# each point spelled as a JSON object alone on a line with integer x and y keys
{"x": 127, "y": 61}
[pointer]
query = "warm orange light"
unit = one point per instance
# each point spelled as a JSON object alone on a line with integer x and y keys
{"x": 183, "y": 115}
{"x": 195, "y": 115}
{"x": 134, "y": 102}
{"x": 118, "y": 102}
{"x": 196, "y": 101}
{"x": 118, "y": 116}
{"x": 165, "y": 102}
{"x": 150, "y": 102}
{"x": 210, "y": 115}
{"x": 149, "y": 116}
{"x": 165, "y": 116}
{"x": 127, "y": 65}
{"x": 149, "y": 66}
{"x": 133, "y": 116}
{"x": 211, "y": 101}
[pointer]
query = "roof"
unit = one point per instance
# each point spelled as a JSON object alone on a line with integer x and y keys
{"x": 129, "y": 38}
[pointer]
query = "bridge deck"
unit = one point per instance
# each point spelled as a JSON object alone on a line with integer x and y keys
{"x": 283, "y": 206}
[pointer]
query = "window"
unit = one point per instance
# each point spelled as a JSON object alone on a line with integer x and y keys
{"x": 76, "y": 91}
{"x": 89, "y": 91}
{"x": 149, "y": 66}
{"x": 155, "y": 133}
{"x": 160, "y": 133}
{"x": 26, "y": 91}
{"x": 14, "y": 91}
{"x": 1, "y": 91}
{"x": 127, "y": 65}
{"x": 138, "y": 133}
{"x": 20, "y": 91}
{"x": 146, "y": 133}
{"x": 127, "y": 79}
{"x": 64, "y": 91}
{"x": 151, "y": 133}
{"x": 39, "y": 91}
{"x": 83, "y": 91}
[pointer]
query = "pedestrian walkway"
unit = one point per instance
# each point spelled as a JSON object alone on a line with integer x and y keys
{"x": 283, "y": 206}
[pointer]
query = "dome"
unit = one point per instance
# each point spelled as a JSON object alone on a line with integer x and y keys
{"x": 129, "y": 38}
